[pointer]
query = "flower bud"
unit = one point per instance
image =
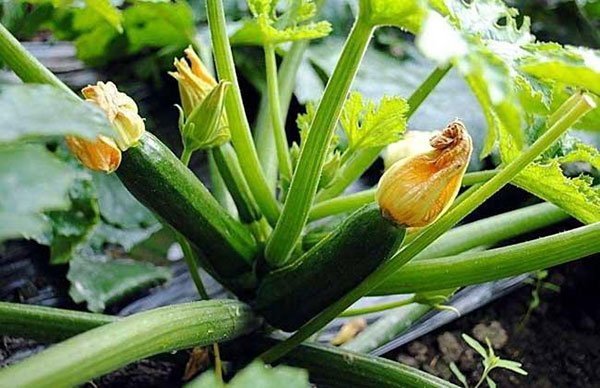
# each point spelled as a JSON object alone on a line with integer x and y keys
{"x": 195, "y": 82}
{"x": 417, "y": 190}
{"x": 121, "y": 110}
{"x": 101, "y": 154}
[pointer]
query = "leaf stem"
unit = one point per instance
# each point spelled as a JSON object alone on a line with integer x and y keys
{"x": 238, "y": 122}
{"x": 25, "y": 65}
{"x": 263, "y": 135}
{"x": 305, "y": 180}
{"x": 430, "y": 234}
{"x": 358, "y": 163}
{"x": 109, "y": 347}
{"x": 231, "y": 172}
{"x": 377, "y": 307}
{"x": 281, "y": 144}
{"x": 478, "y": 267}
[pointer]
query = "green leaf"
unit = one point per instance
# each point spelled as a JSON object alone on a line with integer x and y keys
{"x": 100, "y": 282}
{"x": 107, "y": 11}
{"x": 158, "y": 25}
{"x": 458, "y": 374}
{"x": 124, "y": 221}
{"x": 472, "y": 342}
{"x": 406, "y": 14}
{"x": 490, "y": 382}
{"x": 266, "y": 28}
{"x": 32, "y": 181}
{"x": 368, "y": 125}
{"x": 569, "y": 65}
{"x": 117, "y": 206}
{"x": 30, "y": 111}
{"x": 512, "y": 366}
{"x": 70, "y": 228}
{"x": 575, "y": 195}
{"x": 257, "y": 375}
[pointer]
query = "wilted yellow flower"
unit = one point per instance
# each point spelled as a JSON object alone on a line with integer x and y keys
{"x": 416, "y": 190}
{"x": 413, "y": 143}
{"x": 101, "y": 154}
{"x": 195, "y": 82}
{"x": 121, "y": 110}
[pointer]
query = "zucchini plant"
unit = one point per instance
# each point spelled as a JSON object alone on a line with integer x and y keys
{"x": 250, "y": 230}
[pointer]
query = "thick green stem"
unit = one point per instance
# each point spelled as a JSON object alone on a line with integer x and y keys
{"x": 231, "y": 172}
{"x": 109, "y": 347}
{"x": 376, "y": 308}
{"x": 25, "y": 65}
{"x": 47, "y": 323}
{"x": 430, "y": 234}
{"x": 351, "y": 202}
{"x": 308, "y": 173}
{"x": 492, "y": 230}
{"x": 238, "y": 122}
{"x": 263, "y": 135}
{"x": 479, "y": 267}
{"x": 335, "y": 367}
{"x": 360, "y": 161}
{"x": 281, "y": 144}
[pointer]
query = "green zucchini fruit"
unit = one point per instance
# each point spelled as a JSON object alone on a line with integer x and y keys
{"x": 290, "y": 296}
{"x": 156, "y": 177}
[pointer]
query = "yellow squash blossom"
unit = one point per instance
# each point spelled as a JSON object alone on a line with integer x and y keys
{"x": 104, "y": 153}
{"x": 417, "y": 190}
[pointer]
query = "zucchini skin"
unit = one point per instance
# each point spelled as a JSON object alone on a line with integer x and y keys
{"x": 158, "y": 179}
{"x": 290, "y": 296}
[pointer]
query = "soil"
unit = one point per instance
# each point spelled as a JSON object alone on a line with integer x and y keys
{"x": 558, "y": 344}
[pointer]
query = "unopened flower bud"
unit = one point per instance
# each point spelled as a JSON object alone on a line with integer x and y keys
{"x": 121, "y": 110}
{"x": 101, "y": 154}
{"x": 195, "y": 82}
{"x": 417, "y": 190}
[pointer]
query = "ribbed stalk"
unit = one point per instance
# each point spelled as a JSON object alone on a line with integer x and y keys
{"x": 479, "y": 267}
{"x": 310, "y": 164}
{"x": 47, "y": 323}
{"x": 238, "y": 122}
{"x": 109, "y": 347}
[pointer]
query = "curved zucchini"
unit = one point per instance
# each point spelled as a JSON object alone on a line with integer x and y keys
{"x": 156, "y": 177}
{"x": 290, "y": 296}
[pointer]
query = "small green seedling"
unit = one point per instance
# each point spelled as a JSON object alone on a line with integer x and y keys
{"x": 538, "y": 284}
{"x": 490, "y": 362}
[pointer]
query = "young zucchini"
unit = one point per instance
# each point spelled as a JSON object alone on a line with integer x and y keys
{"x": 156, "y": 177}
{"x": 290, "y": 296}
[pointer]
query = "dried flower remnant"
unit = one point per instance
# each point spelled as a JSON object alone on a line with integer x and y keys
{"x": 417, "y": 190}
{"x": 104, "y": 153}
{"x": 349, "y": 330}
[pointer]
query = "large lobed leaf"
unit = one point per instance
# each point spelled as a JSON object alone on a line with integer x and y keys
{"x": 32, "y": 181}
{"x": 517, "y": 82}
{"x": 34, "y": 111}
{"x": 294, "y": 24}
{"x": 257, "y": 375}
